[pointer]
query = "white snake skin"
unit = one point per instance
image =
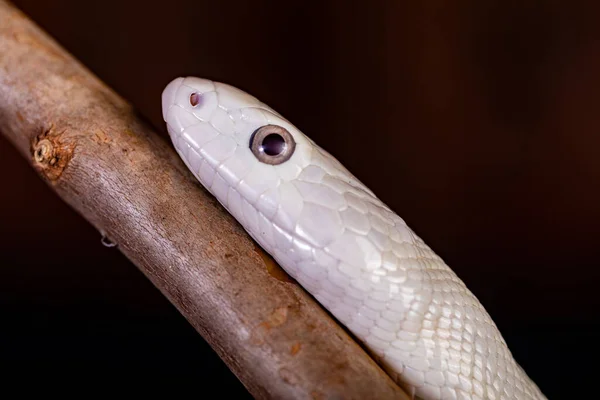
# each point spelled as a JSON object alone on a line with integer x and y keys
{"x": 345, "y": 247}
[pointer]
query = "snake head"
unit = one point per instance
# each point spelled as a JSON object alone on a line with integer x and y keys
{"x": 213, "y": 127}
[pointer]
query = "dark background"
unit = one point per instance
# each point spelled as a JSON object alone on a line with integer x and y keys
{"x": 477, "y": 121}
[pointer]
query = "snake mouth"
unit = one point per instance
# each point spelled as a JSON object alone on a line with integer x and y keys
{"x": 168, "y": 96}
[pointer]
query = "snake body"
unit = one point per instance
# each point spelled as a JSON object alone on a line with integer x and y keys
{"x": 343, "y": 245}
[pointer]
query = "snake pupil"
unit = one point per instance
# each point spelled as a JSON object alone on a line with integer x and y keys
{"x": 273, "y": 144}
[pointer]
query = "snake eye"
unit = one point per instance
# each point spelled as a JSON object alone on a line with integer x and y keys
{"x": 272, "y": 144}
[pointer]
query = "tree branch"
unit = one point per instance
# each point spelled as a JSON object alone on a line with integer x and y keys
{"x": 88, "y": 145}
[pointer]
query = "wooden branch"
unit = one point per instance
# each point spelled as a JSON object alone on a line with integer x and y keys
{"x": 88, "y": 145}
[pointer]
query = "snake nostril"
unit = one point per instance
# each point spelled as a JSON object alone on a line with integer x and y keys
{"x": 195, "y": 99}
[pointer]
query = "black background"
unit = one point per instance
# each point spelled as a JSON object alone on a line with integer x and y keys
{"x": 477, "y": 121}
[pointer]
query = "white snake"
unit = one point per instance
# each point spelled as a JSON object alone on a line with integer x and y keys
{"x": 343, "y": 245}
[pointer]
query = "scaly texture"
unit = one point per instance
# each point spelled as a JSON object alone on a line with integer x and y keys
{"x": 348, "y": 249}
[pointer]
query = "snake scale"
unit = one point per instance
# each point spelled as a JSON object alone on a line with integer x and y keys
{"x": 343, "y": 245}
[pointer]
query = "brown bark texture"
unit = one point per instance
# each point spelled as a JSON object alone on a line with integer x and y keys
{"x": 93, "y": 150}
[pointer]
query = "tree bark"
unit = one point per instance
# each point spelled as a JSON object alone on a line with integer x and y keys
{"x": 89, "y": 145}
